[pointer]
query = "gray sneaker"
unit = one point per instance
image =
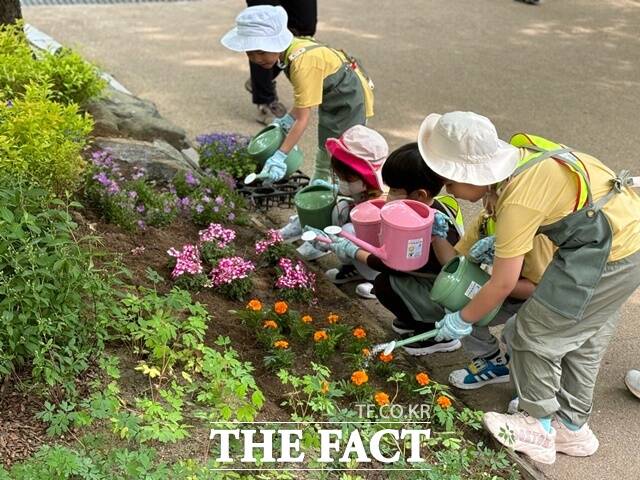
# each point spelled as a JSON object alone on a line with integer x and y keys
{"x": 292, "y": 230}
{"x": 308, "y": 252}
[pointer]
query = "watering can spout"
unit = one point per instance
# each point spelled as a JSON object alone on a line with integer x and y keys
{"x": 377, "y": 251}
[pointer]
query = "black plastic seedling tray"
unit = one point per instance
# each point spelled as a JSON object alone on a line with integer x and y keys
{"x": 279, "y": 194}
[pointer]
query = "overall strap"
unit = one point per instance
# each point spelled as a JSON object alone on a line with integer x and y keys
{"x": 622, "y": 180}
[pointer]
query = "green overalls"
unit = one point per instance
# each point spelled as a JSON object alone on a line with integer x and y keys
{"x": 559, "y": 336}
{"x": 342, "y": 107}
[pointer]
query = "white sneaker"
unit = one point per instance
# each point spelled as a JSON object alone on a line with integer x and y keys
{"x": 292, "y": 230}
{"x": 364, "y": 290}
{"x": 581, "y": 443}
{"x": 632, "y": 380}
{"x": 524, "y": 434}
{"x": 309, "y": 252}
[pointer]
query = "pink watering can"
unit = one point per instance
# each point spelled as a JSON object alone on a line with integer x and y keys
{"x": 405, "y": 233}
{"x": 367, "y": 221}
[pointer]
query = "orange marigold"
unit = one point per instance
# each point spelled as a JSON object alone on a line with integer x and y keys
{"x": 423, "y": 379}
{"x": 320, "y": 335}
{"x": 324, "y": 388}
{"x": 281, "y": 307}
{"x": 366, "y": 352}
{"x": 359, "y": 377}
{"x": 359, "y": 333}
{"x": 255, "y": 305}
{"x": 444, "y": 402}
{"x": 270, "y": 324}
{"x": 381, "y": 399}
{"x": 385, "y": 358}
{"x": 282, "y": 344}
{"x": 307, "y": 319}
{"x": 333, "y": 318}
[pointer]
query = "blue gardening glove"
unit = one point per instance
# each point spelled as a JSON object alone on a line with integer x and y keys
{"x": 275, "y": 168}
{"x": 319, "y": 181}
{"x": 316, "y": 243}
{"x": 344, "y": 249}
{"x": 452, "y": 327}
{"x": 285, "y": 122}
{"x": 440, "y": 225}
{"x": 483, "y": 250}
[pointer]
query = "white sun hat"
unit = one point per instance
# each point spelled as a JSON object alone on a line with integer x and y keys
{"x": 464, "y": 147}
{"x": 263, "y": 27}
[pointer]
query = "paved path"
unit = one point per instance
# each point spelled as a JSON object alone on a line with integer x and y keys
{"x": 569, "y": 70}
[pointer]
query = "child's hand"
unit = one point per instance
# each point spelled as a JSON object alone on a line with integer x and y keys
{"x": 451, "y": 327}
{"x": 483, "y": 251}
{"x": 285, "y": 122}
{"x": 440, "y": 225}
{"x": 275, "y": 167}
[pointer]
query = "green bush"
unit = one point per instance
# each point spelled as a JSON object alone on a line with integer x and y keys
{"x": 41, "y": 140}
{"x": 53, "y": 299}
{"x": 70, "y": 78}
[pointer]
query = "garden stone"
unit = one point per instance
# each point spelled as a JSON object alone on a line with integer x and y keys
{"x": 119, "y": 114}
{"x": 161, "y": 160}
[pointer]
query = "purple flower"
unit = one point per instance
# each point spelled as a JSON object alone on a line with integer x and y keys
{"x": 216, "y": 209}
{"x": 9, "y": 103}
{"x": 140, "y": 208}
{"x": 142, "y": 225}
{"x": 199, "y": 208}
{"x": 133, "y": 194}
{"x": 295, "y": 275}
{"x": 216, "y": 232}
{"x": 219, "y": 200}
{"x": 230, "y": 269}
{"x": 231, "y": 217}
{"x": 190, "y": 179}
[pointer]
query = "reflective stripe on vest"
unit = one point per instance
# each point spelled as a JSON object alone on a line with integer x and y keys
{"x": 569, "y": 160}
{"x": 453, "y": 211}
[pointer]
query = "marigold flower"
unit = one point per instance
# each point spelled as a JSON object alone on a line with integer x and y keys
{"x": 324, "y": 388}
{"x": 359, "y": 333}
{"x": 255, "y": 305}
{"x": 307, "y": 319}
{"x": 385, "y": 358}
{"x": 366, "y": 352}
{"x": 282, "y": 344}
{"x": 381, "y": 399}
{"x": 270, "y": 324}
{"x": 423, "y": 379}
{"x": 320, "y": 335}
{"x": 444, "y": 402}
{"x": 359, "y": 377}
{"x": 281, "y": 307}
{"x": 333, "y": 318}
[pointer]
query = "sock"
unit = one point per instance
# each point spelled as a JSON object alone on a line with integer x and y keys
{"x": 546, "y": 423}
{"x": 569, "y": 425}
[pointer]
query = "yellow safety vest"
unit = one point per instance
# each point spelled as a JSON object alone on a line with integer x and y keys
{"x": 453, "y": 210}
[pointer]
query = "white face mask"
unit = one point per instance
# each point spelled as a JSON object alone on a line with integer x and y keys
{"x": 352, "y": 188}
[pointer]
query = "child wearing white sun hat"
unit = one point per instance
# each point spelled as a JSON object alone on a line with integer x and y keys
{"x": 532, "y": 186}
{"x": 321, "y": 77}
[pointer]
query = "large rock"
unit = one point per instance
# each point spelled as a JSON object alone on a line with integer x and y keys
{"x": 118, "y": 114}
{"x": 161, "y": 160}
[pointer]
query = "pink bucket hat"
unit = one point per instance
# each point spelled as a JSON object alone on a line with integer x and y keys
{"x": 362, "y": 150}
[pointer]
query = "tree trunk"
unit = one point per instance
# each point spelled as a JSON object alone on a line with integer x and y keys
{"x": 10, "y": 11}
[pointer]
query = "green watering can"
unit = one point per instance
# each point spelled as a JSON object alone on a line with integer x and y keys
{"x": 265, "y": 144}
{"x": 456, "y": 284}
{"x": 314, "y": 205}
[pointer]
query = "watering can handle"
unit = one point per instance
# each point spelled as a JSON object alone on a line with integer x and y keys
{"x": 377, "y": 251}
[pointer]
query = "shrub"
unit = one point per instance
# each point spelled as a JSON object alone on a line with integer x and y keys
{"x": 53, "y": 299}
{"x": 69, "y": 77}
{"x": 41, "y": 140}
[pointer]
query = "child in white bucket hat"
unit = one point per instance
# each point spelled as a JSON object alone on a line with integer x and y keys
{"x": 557, "y": 339}
{"x": 321, "y": 76}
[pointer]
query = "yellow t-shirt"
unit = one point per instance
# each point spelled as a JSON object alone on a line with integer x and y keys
{"x": 546, "y": 192}
{"x": 308, "y": 71}
{"x": 535, "y": 262}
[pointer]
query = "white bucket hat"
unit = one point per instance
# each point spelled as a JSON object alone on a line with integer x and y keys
{"x": 263, "y": 27}
{"x": 464, "y": 147}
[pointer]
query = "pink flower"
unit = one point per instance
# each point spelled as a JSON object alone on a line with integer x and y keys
{"x": 273, "y": 238}
{"x": 295, "y": 275}
{"x": 229, "y": 269}
{"x": 187, "y": 260}
{"x": 216, "y": 232}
